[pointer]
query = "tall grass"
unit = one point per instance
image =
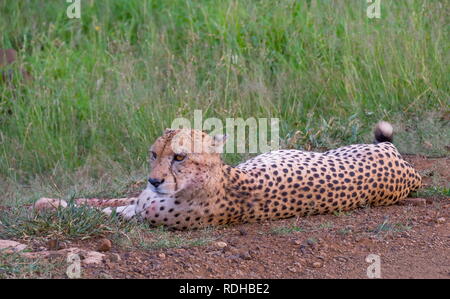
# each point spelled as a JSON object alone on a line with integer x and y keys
{"x": 106, "y": 85}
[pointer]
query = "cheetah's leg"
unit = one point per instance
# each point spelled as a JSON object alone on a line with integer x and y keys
{"x": 126, "y": 212}
{"x": 141, "y": 207}
{"x": 124, "y": 206}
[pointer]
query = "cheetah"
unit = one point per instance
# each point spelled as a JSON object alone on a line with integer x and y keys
{"x": 188, "y": 190}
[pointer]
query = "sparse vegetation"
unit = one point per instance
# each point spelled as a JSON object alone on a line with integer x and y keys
{"x": 342, "y": 213}
{"x": 326, "y": 225}
{"x": 387, "y": 226}
{"x": 147, "y": 238}
{"x": 285, "y": 230}
{"x": 433, "y": 191}
{"x": 71, "y": 222}
{"x": 13, "y": 265}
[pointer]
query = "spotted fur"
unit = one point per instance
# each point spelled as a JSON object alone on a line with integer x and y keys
{"x": 202, "y": 191}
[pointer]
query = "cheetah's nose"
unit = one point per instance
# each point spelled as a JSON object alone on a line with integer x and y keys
{"x": 155, "y": 182}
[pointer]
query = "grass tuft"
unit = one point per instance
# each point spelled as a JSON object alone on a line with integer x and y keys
{"x": 387, "y": 226}
{"x": 150, "y": 238}
{"x": 72, "y": 222}
{"x": 15, "y": 266}
{"x": 285, "y": 230}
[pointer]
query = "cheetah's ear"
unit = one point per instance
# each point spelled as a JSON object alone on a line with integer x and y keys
{"x": 168, "y": 131}
{"x": 219, "y": 141}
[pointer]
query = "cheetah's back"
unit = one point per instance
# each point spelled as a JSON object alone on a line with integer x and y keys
{"x": 292, "y": 182}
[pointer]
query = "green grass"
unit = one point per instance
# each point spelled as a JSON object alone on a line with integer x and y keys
{"x": 80, "y": 223}
{"x": 106, "y": 85}
{"x": 13, "y": 265}
{"x": 71, "y": 222}
{"x": 325, "y": 226}
{"x": 286, "y": 230}
{"x": 342, "y": 213}
{"x": 434, "y": 191}
{"x": 387, "y": 226}
{"x": 147, "y": 238}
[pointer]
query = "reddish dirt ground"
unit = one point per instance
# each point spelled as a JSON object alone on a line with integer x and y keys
{"x": 413, "y": 241}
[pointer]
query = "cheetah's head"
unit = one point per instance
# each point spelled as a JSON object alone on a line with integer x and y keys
{"x": 184, "y": 160}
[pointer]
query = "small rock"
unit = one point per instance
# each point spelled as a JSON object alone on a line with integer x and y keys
{"x": 302, "y": 249}
{"x": 105, "y": 276}
{"x": 245, "y": 255}
{"x": 317, "y": 265}
{"x": 292, "y": 269}
{"x": 420, "y": 202}
{"x": 93, "y": 257}
{"x": 440, "y": 220}
{"x": 105, "y": 245}
{"x": 231, "y": 250}
{"x": 297, "y": 242}
{"x": 8, "y": 246}
{"x": 115, "y": 257}
{"x": 341, "y": 259}
{"x": 242, "y": 232}
{"x": 162, "y": 256}
{"x": 429, "y": 200}
{"x": 53, "y": 244}
{"x": 310, "y": 242}
{"x": 221, "y": 244}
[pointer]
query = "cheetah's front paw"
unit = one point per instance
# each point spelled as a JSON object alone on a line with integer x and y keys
{"x": 127, "y": 212}
{"x": 49, "y": 204}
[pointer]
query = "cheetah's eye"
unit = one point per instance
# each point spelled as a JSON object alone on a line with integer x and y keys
{"x": 178, "y": 157}
{"x": 153, "y": 154}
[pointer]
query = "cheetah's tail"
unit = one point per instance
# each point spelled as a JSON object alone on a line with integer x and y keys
{"x": 383, "y": 132}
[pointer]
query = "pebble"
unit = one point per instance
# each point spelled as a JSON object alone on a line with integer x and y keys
{"x": 317, "y": 265}
{"x": 8, "y": 246}
{"x": 242, "y": 232}
{"x": 162, "y": 256}
{"x": 105, "y": 276}
{"x": 221, "y": 244}
{"x": 105, "y": 245}
{"x": 93, "y": 257}
{"x": 245, "y": 255}
{"x": 440, "y": 220}
{"x": 115, "y": 258}
{"x": 54, "y": 244}
{"x": 310, "y": 242}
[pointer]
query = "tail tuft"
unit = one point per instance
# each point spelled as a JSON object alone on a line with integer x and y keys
{"x": 383, "y": 132}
